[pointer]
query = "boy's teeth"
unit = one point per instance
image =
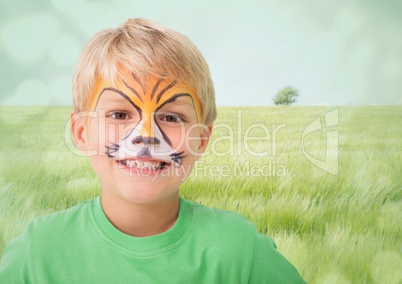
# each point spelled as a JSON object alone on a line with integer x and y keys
{"x": 142, "y": 165}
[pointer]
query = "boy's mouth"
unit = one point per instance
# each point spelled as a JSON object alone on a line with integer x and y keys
{"x": 144, "y": 164}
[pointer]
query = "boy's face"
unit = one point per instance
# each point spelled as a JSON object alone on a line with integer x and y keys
{"x": 146, "y": 136}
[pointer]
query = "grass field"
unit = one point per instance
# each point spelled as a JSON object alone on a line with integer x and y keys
{"x": 342, "y": 228}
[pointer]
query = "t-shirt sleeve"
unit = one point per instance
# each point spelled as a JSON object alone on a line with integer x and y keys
{"x": 14, "y": 261}
{"x": 269, "y": 266}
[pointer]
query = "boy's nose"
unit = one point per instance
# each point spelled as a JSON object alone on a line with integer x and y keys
{"x": 147, "y": 126}
{"x": 146, "y": 140}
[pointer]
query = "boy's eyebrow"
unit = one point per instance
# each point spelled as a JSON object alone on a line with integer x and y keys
{"x": 178, "y": 96}
{"x": 181, "y": 99}
{"x": 121, "y": 94}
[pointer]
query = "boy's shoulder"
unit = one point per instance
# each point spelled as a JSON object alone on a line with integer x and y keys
{"x": 221, "y": 217}
{"x": 225, "y": 225}
{"x": 236, "y": 238}
{"x": 62, "y": 220}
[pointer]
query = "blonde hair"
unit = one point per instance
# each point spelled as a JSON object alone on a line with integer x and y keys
{"x": 146, "y": 48}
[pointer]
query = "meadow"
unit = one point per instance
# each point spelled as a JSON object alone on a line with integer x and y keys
{"x": 335, "y": 228}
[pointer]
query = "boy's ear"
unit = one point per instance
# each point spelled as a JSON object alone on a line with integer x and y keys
{"x": 79, "y": 131}
{"x": 205, "y": 135}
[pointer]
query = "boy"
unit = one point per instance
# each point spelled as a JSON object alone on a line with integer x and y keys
{"x": 143, "y": 112}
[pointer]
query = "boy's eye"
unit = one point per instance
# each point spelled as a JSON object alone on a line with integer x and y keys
{"x": 118, "y": 115}
{"x": 172, "y": 118}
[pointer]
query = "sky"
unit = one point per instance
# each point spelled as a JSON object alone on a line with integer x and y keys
{"x": 334, "y": 52}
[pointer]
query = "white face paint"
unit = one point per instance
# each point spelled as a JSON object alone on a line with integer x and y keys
{"x": 135, "y": 145}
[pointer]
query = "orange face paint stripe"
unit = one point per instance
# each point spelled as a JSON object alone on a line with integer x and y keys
{"x": 145, "y": 102}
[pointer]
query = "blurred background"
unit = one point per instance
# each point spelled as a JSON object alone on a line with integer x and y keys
{"x": 333, "y": 52}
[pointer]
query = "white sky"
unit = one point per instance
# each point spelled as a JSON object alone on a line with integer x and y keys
{"x": 333, "y": 52}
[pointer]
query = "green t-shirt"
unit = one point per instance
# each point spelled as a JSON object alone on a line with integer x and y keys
{"x": 206, "y": 245}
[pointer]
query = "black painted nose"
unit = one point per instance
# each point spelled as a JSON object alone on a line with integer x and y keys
{"x": 146, "y": 140}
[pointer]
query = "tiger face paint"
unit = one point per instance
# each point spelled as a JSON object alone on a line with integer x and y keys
{"x": 152, "y": 115}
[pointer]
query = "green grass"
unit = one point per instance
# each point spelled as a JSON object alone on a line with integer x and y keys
{"x": 344, "y": 228}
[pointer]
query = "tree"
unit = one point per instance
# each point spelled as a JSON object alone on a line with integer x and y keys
{"x": 286, "y": 96}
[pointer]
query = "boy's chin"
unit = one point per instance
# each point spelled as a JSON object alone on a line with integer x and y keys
{"x": 144, "y": 195}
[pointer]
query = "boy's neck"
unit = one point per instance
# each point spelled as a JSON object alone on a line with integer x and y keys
{"x": 140, "y": 220}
